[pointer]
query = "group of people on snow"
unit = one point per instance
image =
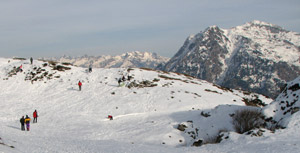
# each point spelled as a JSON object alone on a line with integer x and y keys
{"x": 26, "y": 121}
{"x": 20, "y": 68}
{"x": 123, "y": 79}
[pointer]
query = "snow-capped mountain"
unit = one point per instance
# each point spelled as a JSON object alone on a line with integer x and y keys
{"x": 153, "y": 112}
{"x": 257, "y": 56}
{"x": 129, "y": 59}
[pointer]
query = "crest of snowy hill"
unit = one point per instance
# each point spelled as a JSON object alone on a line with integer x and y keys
{"x": 257, "y": 56}
{"x": 154, "y": 111}
{"x": 129, "y": 59}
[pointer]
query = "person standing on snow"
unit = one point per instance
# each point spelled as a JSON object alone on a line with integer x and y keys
{"x": 119, "y": 81}
{"x": 35, "y": 116}
{"x": 22, "y": 121}
{"x": 79, "y": 84}
{"x": 31, "y": 60}
{"x": 90, "y": 68}
{"x": 27, "y": 121}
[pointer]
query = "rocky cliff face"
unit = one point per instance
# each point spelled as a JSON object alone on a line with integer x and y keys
{"x": 258, "y": 57}
{"x": 130, "y": 59}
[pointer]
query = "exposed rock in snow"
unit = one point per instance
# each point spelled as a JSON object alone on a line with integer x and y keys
{"x": 286, "y": 104}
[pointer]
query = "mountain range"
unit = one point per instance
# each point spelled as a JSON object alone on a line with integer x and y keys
{"x": 129, "y": 59}
{"x": 257, "y": 56}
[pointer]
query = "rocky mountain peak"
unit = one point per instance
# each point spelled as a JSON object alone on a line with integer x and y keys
{"x": 257, "y": 56}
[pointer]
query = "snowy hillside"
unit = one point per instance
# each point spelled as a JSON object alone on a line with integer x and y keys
{"x": 160, "y": 112}
{"x": 257, "y": 56}
{"x": 130, "y": 59}
{"x": 286, "y": 104}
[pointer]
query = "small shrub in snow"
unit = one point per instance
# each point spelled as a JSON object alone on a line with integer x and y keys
{"x": 295, "y": 109}
{"x": 156, "y": 80}
{"x": 181, "y": 127}
{"x": 256, "y": 133}
{"x": 205, "y": 114}
{"x": 254, "y": 102}
{"x": 213, "y": 91}
{"x": 198, "y": 143}
{"x": 295, "y": 87}
{"x": 246, "y": 120}
{"x": 19, "y": 58}
{"x": 66, "y": 63}
{"x": 216, "y": 138}
{"x": 61, "y": 68}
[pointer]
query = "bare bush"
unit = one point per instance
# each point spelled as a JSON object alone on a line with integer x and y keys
{"x": 246, "y": 120}
{"x": 214, "y": 139}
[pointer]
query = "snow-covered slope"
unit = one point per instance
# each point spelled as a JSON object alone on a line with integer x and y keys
{"x": 130, "y": 59}
{"x": 286, "y": 104}
{"x": 146, "y": 118}
{"x": 257, "y": 56}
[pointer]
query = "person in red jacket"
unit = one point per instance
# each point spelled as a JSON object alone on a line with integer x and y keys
{"x": 79, "y": 84}
{"x": 35, "y": 116}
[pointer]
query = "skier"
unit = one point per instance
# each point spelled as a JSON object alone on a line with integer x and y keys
{"x": 22, "y": 121}
{"x": 31, "y": 60}
{"x": 79, "y": 84}
{"x": 35, "y": 116}
{"x": 27, "y": 121}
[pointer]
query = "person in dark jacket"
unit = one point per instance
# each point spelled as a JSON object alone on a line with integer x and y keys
{"x": 22, "y": 121}
{"x": 31, "y": 60}
{"x": 27, "y": 121}
{"x": 35, "y": 116}
{"x": 90, "y": 68}
{"x": 119, "y": 81}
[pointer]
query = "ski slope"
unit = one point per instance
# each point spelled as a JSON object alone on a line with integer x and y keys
{"x": 145, "y": 119}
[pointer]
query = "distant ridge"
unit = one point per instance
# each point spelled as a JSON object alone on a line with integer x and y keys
{"x": 129, "y": 59}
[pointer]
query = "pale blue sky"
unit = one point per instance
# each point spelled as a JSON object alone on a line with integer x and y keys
{"x": 47, "y": 28}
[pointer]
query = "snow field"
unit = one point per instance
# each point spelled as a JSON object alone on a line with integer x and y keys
{"x": 145, "y": 119}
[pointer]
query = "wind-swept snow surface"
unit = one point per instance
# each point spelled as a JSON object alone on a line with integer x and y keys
{"x": 145, "y": 117}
